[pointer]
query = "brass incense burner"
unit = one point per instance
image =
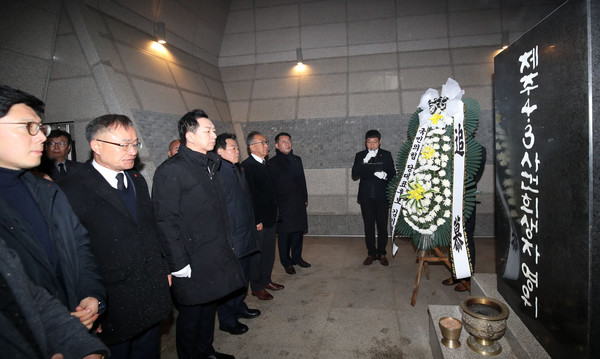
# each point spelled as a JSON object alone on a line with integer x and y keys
{"x": 485, "y": 320}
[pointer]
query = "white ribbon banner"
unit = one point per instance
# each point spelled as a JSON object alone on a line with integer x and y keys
{"x": 460, "y": 257}
{"x": 411, "y": 162}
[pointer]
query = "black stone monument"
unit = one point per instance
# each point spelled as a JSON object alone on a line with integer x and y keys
{"x": 547, "y": 161}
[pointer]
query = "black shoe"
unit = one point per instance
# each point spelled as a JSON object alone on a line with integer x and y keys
{"x": 236, "y": 329}
{"x": 220, "y": 356}
{"x": 290, "y": 269}
{"x": 249, "y": 313}
{"x": 302, "y": 263}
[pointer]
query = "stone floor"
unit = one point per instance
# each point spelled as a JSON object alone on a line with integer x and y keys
{"x": 340, "y": 308}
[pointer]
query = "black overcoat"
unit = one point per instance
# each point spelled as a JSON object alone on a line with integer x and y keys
{"x": 44, "y": 325}
{"x": 129, "y": 253}
{"x": 191, "y": 215}
{"x": 288, "y": 175}
{"x": 77, "y": 264}
{"x": 244, "y": 236}
{"x": 262, "y": 191}
{"x": 371, "y": 188}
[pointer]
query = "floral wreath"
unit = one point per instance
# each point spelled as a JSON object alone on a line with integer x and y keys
{"x": 426, "y": 202}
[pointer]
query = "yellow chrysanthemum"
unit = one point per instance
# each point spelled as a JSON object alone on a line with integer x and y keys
{"x": 435, "y": 118}
{"x": 416, "y": 192}
{"x": 427, "y": 152}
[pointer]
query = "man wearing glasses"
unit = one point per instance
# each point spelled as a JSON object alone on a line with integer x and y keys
{"x": 112, "y": 201}
{"x": 36, "y": 220}
{"x": 58, "y": 146}
{"x": 264, "y": 199}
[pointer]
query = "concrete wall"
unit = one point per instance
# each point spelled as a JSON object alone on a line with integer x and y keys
{"x": 368, "y": 62}
{"x": 367, "y": 65}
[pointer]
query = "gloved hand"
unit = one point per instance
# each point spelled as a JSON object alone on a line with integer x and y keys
{"x": 381, "y": 175}
{"x": 185, "y": 272}
{"x": 370, "y": 154}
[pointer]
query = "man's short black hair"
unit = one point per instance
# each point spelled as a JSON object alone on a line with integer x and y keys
{"x": 189, "y": 123}
{"x": 222, "y": 140}
{"x": 57, "y": 133}
{"x": 10, "y": 96}
{"x": 102, "y": 123}
{"x": 373, "y": 134}
{"x": 282, "y": 134}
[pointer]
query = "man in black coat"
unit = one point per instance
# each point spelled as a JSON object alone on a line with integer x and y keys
{"x": 292, "y": 198}
{"x": 56, "y": 164}
{"x": 244, "y": 236}
{"x": 113, "y": 203}
{"x": 264, "y": 199}
{"x": 36, "y": 219}
{"x": 190, "y": 210}
{"x": 374, "y": 167}
{"x": 34, "y": 324}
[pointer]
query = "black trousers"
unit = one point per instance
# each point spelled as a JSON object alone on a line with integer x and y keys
{"x": 195, "y": 330}
{"x": 375, "y": 213}
{"x": 231, "y": 306}
{"x": 143, "y": 346}
{"x": 290, "y": 241}
{"x": 262, "y": 263}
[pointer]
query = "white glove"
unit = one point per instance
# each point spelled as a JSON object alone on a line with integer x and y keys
{"x": 185, "y": 272}
{"x": 381, "y": 175}
{"x": 370, "y": 154}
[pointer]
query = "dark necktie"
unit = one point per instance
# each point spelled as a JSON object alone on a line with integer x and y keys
{"x": 120, "y": 182}
{"x": 61, "y": 169}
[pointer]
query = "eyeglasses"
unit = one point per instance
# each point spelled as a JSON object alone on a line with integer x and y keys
{"x": 57, "y": 143}
{"x": 260, "y": 143}
{"x": 124, "y": 146}
{"x": 32, "y": 127}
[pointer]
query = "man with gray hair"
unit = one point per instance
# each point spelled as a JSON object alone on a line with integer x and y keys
{"x": 113, "y": 203}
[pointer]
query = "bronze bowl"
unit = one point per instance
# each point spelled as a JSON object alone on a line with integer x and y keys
{"x": 484, "y": 319}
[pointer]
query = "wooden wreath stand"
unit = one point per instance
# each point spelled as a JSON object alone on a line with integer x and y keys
{"x": 423, "y": 265}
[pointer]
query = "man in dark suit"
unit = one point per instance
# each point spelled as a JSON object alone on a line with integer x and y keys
{"x": 244, "y": 236}
{"x": 374, "y": 167}
{"x": 34, "y": 324}
{"x": 264, "y": 199}
{"x": 56, "y": 164}
{"x": 292, "y": 197}
{"x": 36, "y": 219}
{"x": 112, "y": 201}
{"x": 192, "y": 217}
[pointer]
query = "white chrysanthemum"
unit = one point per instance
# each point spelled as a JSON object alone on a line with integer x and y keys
{"x": 446, "y": 183}
{"x": 447, "y": 202}
{"x": 436, "y": 147}
{"x": 421, "y": 220}
{"x": 446, "y": 214}
{"x": 425, "y": 202}
{"x": 435, "y": 180}
{"x": 446, "y": 138}
{"x": 442, "y": 173}
{"x": 438, "y": 198}
{"x": 446, "y": 148}
{"x": 447, "y": 192}
{"x": 437, "y": 161}
{"x": 433, "y": 228}
{"x": 444, "y": 158}
{"x": 436, "y": 208}
{"x": 440, "y": 221}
